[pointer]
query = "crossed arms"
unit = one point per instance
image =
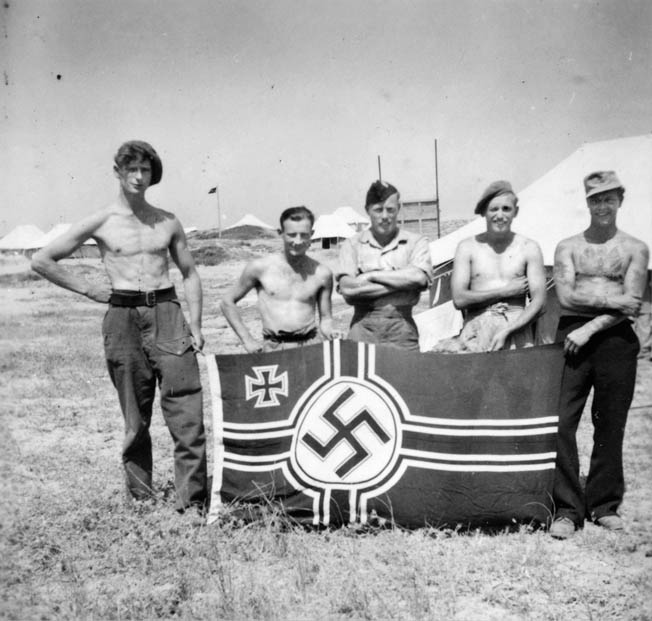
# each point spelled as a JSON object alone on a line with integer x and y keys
{"x": 615, "y": 307}
{"x": 532, "y": 283}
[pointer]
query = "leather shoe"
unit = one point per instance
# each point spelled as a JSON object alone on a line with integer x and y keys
{"x": 611, "y": 522}
{"x": 562, "y": 528}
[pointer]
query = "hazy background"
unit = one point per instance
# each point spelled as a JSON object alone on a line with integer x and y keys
{"x": 289, "y": 102}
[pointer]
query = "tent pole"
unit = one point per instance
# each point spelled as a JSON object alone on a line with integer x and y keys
{"x": 437, "y": 191}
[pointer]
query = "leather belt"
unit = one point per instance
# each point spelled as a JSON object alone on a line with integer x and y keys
{"x": 289, "y": 337}
{"x": 122, "y": 297}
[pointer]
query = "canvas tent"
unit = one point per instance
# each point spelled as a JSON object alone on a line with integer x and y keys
{"x": 23, "y": 238}
{"x": 330, "y": 229}
{"x": 554, "y": 207}
{"x": 250, "y": 220}
{"x": 354, "y": 219}
{"x": 88, "y": 250}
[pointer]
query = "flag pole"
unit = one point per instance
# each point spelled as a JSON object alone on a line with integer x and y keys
{"x": 219, "y": 212}
{"x": 380, "y": 174}
{"x": 437, "y": 191}
{"x": 216, "y": 191}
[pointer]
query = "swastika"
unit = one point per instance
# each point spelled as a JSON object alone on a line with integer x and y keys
{"x": 267, "y": 386}
{"x": 344, "y": 433}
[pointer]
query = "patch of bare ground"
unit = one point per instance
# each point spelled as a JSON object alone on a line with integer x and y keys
{"x": 73, "y": 547}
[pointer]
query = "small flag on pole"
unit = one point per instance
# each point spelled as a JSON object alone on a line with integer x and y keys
{"x": 212, "y": 190}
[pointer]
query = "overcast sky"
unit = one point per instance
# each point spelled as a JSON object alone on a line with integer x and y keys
{"x": 285, "y": 102}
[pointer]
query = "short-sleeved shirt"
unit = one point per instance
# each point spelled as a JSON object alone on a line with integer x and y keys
{"x": 362, "y": 253}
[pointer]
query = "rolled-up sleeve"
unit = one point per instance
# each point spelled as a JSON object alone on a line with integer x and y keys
{"x": 420, "y": 257}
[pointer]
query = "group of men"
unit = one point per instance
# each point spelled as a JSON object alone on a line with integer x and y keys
{"x": 498, "y": 282}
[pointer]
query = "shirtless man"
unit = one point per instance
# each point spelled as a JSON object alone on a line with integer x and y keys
{"x": 146, "y": 339}
{"x": 600, "y": 278}
{"x": 289, "y": 285}
{"x": 383, "y": 271}
{"x": 492, "y": 274}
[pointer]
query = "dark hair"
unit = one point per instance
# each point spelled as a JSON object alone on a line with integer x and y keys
{"x": 134, "y": 149}
{"x": 296, "y": 214}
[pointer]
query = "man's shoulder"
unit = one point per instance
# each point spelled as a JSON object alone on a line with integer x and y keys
{"x": 411, "y": 237}
{"x": 260, "y": 264}
{"x": 321, "y": 269}
{"x": 527, "y": 243}
{"x": 359, "y": 237}
{"x": 470, "y": 243}
{"x": 94, "y": 222}
{"x": 629, "y": 240}
{"x": 162, "y": 217}
{"x": 572, "y": 242}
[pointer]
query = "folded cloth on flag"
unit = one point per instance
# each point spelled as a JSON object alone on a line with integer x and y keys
{"x": 341, "y": 431}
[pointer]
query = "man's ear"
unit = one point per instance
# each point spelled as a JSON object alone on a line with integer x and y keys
{"x": 279, "y": 231}
{"x": 116, "y": 171}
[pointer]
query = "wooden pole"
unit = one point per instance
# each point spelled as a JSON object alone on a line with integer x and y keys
{"x": 219, "y": 211}
{"x": 437, "y": 191}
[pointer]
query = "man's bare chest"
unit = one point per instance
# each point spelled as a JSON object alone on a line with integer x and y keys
{"x": 285, "y": 284}
{"x": 601, "y": 260}
{"x": 489, "y": 264}
{"x": 136, "y": 239}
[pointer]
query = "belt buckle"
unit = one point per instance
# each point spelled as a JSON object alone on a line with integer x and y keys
{"x": 150, "y": 298}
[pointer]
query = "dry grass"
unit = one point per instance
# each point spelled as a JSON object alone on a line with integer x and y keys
{"x": 72, "y": 546}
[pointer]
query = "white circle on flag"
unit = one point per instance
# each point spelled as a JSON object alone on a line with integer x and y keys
{"x": 348, "y": 434}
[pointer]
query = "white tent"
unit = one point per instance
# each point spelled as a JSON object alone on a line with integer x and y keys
{"x": 58, "y": 230}
{"x": 330, "y": 226}
{"x": 553, "y": 207}
{"x": 23, "y": 237}
{"x": 351, "y": 217}
{"x": 250, "y": 220}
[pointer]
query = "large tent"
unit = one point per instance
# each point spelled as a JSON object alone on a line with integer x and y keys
{"x": 250, "y": 220}
{"x": 329, "y": 228}
{"x": 551, "y": 209}
{"x": 349, "y": 215}
{"x": 88, "y": 249}
{"x": 56, "y": 231}
{"x": 22, "y": 238}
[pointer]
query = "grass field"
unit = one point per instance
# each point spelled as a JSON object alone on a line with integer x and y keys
{"x": 73, "y": 546}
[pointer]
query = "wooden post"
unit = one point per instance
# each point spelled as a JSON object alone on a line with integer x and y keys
{"x": 219, "y": 212}
{"x": 216, "y": 191}
{"x": 437, "y": 191}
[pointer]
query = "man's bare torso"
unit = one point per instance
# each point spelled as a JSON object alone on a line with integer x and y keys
{"x": 600, "y": 268}
{"x": 135, "y": 248}
{"x": 491, "y": 269}
{"x": 287, "y": 295}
